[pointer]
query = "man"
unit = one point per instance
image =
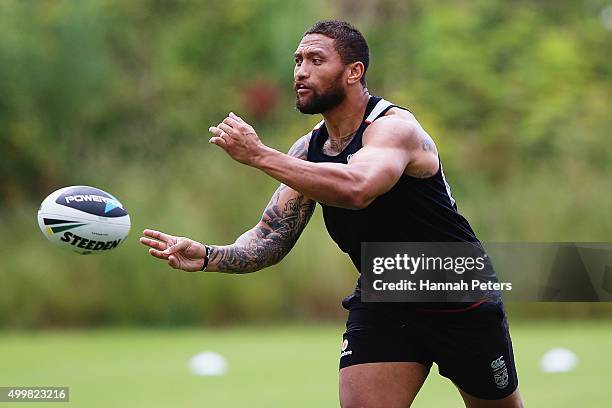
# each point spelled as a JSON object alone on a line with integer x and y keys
{"x": 377, "y": 175}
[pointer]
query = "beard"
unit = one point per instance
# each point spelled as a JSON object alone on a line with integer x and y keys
{"x": 331, "y": 97}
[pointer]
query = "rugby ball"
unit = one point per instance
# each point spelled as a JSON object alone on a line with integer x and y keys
{"x": 84, "y": 219}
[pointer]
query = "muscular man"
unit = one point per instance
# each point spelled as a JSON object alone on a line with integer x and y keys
{"x": 377, "y": 175}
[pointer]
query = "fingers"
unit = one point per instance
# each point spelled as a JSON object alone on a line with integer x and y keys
{"x": 216, "y": 131}
{"x": 233, "y": 118}
{"x": 236, "y": 117}
{"x": 236, "y": 137}
{"x": 153, "y": 243}
{"x": 158, "y": 235}
{"x": 232, "y": 121}
{"x": 182, "y": 244}
{"x": 218, "y": 141}
{"x": 226, "y": 128}
{"x": 157, "y": 254}
{"x": 217, "y": 138}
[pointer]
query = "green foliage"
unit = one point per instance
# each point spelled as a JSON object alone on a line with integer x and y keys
{"x": 120, "y": 95}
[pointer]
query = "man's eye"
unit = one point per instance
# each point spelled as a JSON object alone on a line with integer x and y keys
{"x": 317, "y": 61}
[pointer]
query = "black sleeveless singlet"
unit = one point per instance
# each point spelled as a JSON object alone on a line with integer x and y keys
{"x": 414, "y": 210}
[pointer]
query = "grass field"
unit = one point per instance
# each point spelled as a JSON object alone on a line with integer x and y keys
{"x": 270, "y": 366}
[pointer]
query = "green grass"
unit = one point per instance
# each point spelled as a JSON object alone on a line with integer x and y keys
{"x": 269, "y": 366}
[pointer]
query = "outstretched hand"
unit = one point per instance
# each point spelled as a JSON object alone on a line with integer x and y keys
{"x": 180, "y": 252}
{"x": 237, "y": 138}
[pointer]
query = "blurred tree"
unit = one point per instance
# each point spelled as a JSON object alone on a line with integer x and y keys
{"x": 120, "y": 95}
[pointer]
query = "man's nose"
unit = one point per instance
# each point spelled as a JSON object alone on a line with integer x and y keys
{"x": 301, "y": 72}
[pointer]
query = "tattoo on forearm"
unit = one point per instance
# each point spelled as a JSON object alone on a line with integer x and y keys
{"x": 278, "y": 231}
{"x": 270, "y": 240}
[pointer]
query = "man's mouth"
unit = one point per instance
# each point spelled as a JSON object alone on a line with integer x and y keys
{"x": 301, "y": 89}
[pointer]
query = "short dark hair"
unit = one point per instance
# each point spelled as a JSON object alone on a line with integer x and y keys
{"x": 349, "y": 42}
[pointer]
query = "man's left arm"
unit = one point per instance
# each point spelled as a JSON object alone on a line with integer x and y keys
{"x": 389, "y": 145}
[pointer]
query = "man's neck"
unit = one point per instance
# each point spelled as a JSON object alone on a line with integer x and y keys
{"x": 345, "y": 119}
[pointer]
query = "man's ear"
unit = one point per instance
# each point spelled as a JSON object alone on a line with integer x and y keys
{"x": 356, "y": 70}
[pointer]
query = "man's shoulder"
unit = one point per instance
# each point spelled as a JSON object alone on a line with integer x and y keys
{"x": 401, "y": 113}
{"x": 399, "y": 126}
{"x": 394, "y": 123}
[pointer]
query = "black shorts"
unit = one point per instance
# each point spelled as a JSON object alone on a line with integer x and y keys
{"x": 471, "y": 347}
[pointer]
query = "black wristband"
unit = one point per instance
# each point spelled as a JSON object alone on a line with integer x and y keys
{"x": 206, "y": 259}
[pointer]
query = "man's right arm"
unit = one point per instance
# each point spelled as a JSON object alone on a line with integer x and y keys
{"x": 274, "y": 236}
{"x": 281, "y": 224}
{"x": 270, "y": 240}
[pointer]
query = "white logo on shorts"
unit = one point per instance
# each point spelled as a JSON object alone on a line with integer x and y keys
{"x": 345, "y": 352}
{"x": 500, "y": 372}
{"x": 498, "y": 363}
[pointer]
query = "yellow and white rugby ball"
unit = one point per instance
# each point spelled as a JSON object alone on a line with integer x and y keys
{"x": 84, "y": 219}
